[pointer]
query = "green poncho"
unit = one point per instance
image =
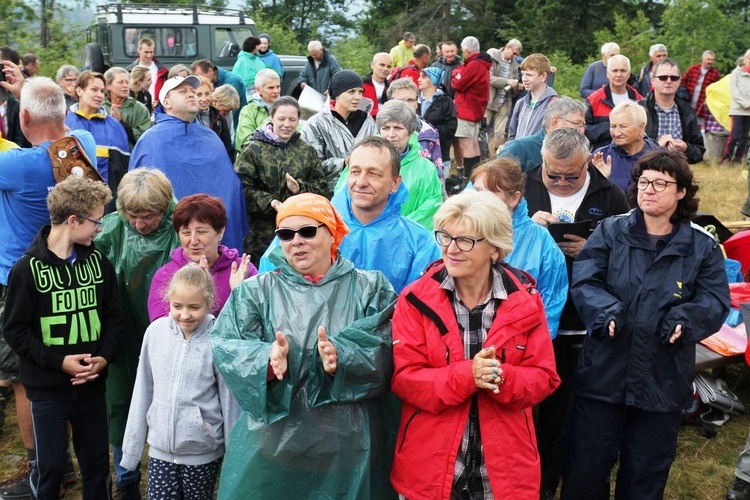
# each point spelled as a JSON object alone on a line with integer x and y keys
{"x": 309, "y": 435}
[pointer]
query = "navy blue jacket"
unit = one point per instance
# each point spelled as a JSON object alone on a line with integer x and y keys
{"x": 620, "y": 276}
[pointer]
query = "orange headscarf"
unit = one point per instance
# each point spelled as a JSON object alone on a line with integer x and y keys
{"x": 319, "y": 208}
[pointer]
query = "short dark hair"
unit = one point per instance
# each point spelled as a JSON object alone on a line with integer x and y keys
{"x": 408, "y": 35}
{"x": 10, "y": 54}
{"x": 203, "y": 64}
{"x": 673, "y": 164}
{"x": 29, "y": 59}
{"x": 421, "y": 50}
{"x": 286, "y": 100}
{"x": 668, "y": 63}
{"x": 381, "y": 144}
{"x": 200, "y": 207}
{"x": 250, "y": 43}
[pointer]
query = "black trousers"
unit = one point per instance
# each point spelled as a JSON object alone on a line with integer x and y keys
{"x": 552, "y": 413}
{"x": 89, "y": 423}
{"x": 597, "y": 432}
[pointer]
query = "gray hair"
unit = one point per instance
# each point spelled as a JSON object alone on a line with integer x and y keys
{"x": 314, "y": 45}
{"x": 470, "y": 43}
{"x": 515, "y": 43}
{"x": 564, "y": 143}
{"x": 666, "y": 62}
{"x": 561, "y": 108}
{"x": 402, "y": 83}
{"x": 177, "y": 69}
{"x": 482, "y": 213}
{"x": 227, "y": 97}
{"x": 657, "y": 47}
{"x": 43, "y": 99}
{"x": 421, "y": 50}
{"x": 64, "y": 71}
{"x": 632, "y": 110}
{"x": 111, "y": 73}
{"x": 399, "y": 112}
{"x": 262, "y": 76}
{"x": 286, "y": 100}
{"x": 617, "y": 58}
{"x": 610, "y": 47}
{"x": 708, "y": 53}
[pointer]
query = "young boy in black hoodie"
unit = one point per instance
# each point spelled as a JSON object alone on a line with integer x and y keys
{"x": 63, "y": 319}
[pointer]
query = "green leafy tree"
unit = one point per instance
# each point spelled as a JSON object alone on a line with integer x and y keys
{"x": 634, "y": 35}
{"x": 307, "y": 19}
{"x": 355, "y": 54}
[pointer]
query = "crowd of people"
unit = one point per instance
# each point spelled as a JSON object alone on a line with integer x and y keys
{"x": 280, "y": 306}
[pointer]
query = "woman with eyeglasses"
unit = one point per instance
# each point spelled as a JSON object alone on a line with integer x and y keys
{"x": 66, "y": 78}
{"x": 199, "y": 221}
{"x": 306, "y": 350}
{"x": 472, "y": 354}
{"x": 627, "y": 126}
{"x": 276, "y": 164}
{"x": 648, "y": 286}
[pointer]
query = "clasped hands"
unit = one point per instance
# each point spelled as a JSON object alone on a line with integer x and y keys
{"x": 83, "y": 367}
{"x": 278, "y": 359}
{"x": 486, "y": 370}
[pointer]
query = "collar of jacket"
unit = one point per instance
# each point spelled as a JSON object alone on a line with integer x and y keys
{"x": 680, "y": 243}
{"x": 340, "y": 267}
{"x": 343, "y": 203}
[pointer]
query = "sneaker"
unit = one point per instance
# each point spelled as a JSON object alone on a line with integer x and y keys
{"x": 740, "y": 490}
{"x": 18, "y": 486}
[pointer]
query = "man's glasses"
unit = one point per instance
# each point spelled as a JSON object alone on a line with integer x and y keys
{"x": 97, "y": 223}
{"x": 305, "y": 232}
{"x": 464, "y": 243}
{"x": 570, "y": 179}
{"x": 664, "y": 78}
{"x": 659, "y": 185}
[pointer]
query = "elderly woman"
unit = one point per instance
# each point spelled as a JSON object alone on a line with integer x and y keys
{"x": 739, "y": 111}
{"x": 211, "y": 117}
{"x": 66, "y": 78}
{"x": 199, "y": 221}
{"x": 471, "y": 353}
{"x": 649, "y": 286}
{"x": 140, "y": 82}
{"x": 534, "y": 249}
{"x": 437, "y": 109}
{"x": 112, "y": 146}
{"x": 398, "y": 124}
{"x": 137, "y": 239}
{"x": 275, "y": 165}
{"x": 226, "y": 100}
{"x": 627, "y": 126}
{"x": 178, "y": 70}
{"x": 306, "y": 351}
{"x": 131, "y": 114}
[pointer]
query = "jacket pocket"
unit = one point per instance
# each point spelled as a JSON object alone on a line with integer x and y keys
{"x": 406, "y": 428}
{"x": 192, "y": 435}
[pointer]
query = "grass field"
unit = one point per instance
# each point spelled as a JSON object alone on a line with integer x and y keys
{"x": 704, "y": 467}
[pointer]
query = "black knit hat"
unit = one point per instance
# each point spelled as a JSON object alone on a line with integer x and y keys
{"x": 342, "y": 81}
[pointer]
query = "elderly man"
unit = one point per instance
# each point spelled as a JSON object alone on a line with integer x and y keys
{"x": 599, "y": 104}
{"x": 566, "y": 188}
{"x": 696, "y": 79}
{"x": 376, "y": 83}
{"x": 671, "y": 120}
{"x": 220, "y": 76}
{"x": 657, "y": 52}
{"x": 255, "y": 114}
{"x": 415, "y": 66}
{"x": 26, "y": 177}
{"x": 564, "y": 112}
{"x": 471, "y": 85}
{"x": 321, "y": 66}
{"x": 158, "y": 71}
{"x": 404, "y": 51}
{"x": 504, "y": 84}
{"x": 448, "y": 61}
{"x": 595, "y": 76}
{"x": 192, "y": 156}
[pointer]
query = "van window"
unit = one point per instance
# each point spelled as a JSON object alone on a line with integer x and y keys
{"x": 228, "y": 41}
{"x": 168, "y": 42}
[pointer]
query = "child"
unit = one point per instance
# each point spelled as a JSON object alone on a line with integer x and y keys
{"x": 180, "y": 402}
{"x": 63, "y": 320}
{"x": 528, "y": 113}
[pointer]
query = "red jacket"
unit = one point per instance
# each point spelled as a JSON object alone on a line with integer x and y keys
{"x": 690, "y": 80}
{"x": 369, "y": 92}
{"x": 471, "y": 87}
{"x": 436, "y": 385}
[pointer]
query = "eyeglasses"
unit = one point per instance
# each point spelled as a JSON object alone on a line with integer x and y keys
{"x": 97, "y": 223}
{"x": 70, "y": 80}
{"x": 659, "y": 185}
{"x": 463, "y": 243}
{"x": 664, "y": 78}
{"x": 577, "y": 124}
{"x": 305, "y": 232}
{"x": 568, "y": 178}
{"x": 410, "y": 101}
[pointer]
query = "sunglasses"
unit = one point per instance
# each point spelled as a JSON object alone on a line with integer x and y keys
{"x": 305, "y": 232}
{"x": 664, "y": 78}
{"x": 570, "y": 179}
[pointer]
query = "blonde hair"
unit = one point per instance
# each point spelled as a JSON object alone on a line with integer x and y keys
{"x": 144, "y": 190}
{"x": 227, "y": 97}
{"x": 634, "y": 111}
{"x": 482, "y": 213}
{"x": 137, "y": 74}
{"x": 195, "y": 277}
{"x": 76, "y": 196}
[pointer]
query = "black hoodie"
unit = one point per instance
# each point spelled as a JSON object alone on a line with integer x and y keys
{"x": 55, "y": 309}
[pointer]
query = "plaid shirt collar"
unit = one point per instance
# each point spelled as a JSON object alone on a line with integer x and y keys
{"x": 497, "y": 289}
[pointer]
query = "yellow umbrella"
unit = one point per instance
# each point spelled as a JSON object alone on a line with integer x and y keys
{"x": 718, "y": 98}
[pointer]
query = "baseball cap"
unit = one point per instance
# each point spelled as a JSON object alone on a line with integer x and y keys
{"x": 175, "y": 82}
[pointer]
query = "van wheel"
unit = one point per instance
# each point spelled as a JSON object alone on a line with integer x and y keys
{"x": 93, "y": 58}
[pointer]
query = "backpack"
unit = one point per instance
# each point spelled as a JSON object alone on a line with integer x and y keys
{"x": 69, "y": 158}
{"x": 396, "y": 72}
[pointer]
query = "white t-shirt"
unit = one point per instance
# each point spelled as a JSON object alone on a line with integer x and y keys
{"x": 154, "y": 70}
{"x": 379, "y": 88}
{"x": 618, "y": 98}
{"x": 697, "y": 89}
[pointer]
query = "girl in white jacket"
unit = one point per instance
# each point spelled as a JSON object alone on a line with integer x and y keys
{"x": 180, "y": 404}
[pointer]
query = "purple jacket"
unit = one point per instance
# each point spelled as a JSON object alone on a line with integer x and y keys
{"x": 158, "y": 307}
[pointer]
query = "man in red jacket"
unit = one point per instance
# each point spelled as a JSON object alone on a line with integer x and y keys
{"x": 471, "y": 89}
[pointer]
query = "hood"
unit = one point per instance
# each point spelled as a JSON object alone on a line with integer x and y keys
{"x": 549, "y": 93}
{"x": 520, "y": 216}
{"x": 39, "y": 249}
{"x": 265, "y": 54}
{"x": 257, "y": 99}
{"x": 203, "y": 329}
{"x": 247, "y": 56}
{"x": 482, "y": 58}
{"x": 342, "y": 202}
{"x": 100, "y": 113}
{"x": 266, "y": 134}
{"x": 226, "y": 257}
{"x": 161, "y": 117}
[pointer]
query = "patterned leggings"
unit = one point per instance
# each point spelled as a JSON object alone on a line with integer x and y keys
{"x": 184, "y": 482}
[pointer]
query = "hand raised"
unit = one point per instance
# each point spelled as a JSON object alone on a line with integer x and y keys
{"x": 278, "y": 356}
{"x": 327, "y": 351}
{"x": 239, "y": 272}
{"x": 292, "y": 184}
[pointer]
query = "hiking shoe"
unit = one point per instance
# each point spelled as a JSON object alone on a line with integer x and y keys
{"x": 18, "y": 486}
{"x": 740, "y": 490}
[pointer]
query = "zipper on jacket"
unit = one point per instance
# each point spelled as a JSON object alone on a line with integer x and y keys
{"x": 447, "y": 356}
{"x": 406, "y": 428}
{"x": 528, "y": 429}
{"x": 175, "y": 386}
{"x": 502, "y": 356}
